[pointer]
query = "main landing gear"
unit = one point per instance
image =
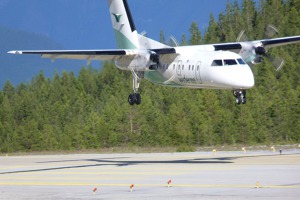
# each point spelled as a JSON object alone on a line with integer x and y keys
{"x": 240, "y": 96}
{"x": 135, "y": 97}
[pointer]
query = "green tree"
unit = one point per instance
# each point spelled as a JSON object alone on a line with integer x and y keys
{"x": 211, "y": 35}
{"x": 196, "y": 37}
{"x": 162, "y": 37}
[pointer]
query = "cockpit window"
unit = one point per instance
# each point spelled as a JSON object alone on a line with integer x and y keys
{"x": 230, "y": 62}
{"x": 241, "y": 62}
{"x": 227, "y": 62}
{"x": 217, "y": 63}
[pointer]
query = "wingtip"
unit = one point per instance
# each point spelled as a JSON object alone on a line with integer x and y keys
{"x": 14, "y": 52}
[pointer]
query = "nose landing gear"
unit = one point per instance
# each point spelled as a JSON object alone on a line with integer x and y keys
{"x": 240, "y": 96}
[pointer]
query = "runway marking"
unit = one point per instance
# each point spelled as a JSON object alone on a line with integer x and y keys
{"x": 144, "y": 185}
{"x": 167, "y": 169}
{"x": 68, "y": 178}
{"x": 129, "y": 170}
{"x": 12, "y": 167}
{"x": 158, "y": 171}
{"x": 107, "y": 173}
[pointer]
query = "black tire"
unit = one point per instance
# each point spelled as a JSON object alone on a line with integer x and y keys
{"x": 239, "y": 100}
{"x": 138, "y": 99}
{"x": 244, "y": 100}
{"x": 131, "y": 99}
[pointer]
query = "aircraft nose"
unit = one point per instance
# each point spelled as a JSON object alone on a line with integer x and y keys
{"x": 246, "y": 79}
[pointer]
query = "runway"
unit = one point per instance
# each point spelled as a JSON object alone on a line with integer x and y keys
{"x": 197, "y": 175}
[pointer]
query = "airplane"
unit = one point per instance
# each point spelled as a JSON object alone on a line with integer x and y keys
{"x": 213, "y": 66}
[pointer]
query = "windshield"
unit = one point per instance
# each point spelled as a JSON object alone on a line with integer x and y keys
{"x": 241, "y": 62}
{"x": 230, "y": 62}
{"x": 227, "y": 62}
{"x": 217, "y": 63}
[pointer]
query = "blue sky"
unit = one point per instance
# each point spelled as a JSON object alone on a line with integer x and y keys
{"x": 85, "y": 24}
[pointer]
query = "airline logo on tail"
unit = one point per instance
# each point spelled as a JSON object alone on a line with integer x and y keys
{"x": 117, "y": 16}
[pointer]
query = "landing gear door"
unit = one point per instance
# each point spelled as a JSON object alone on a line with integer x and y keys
{"x": 197, "y": 72}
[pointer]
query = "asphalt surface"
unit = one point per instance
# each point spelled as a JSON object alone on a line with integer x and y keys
{"x": 198, "y": 175}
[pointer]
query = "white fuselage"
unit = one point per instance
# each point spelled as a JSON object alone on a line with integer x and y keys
{"x": 202, "y": 68}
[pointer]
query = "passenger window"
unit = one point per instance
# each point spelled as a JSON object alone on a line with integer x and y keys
{"x": 240, "y": 61}
{"x": 217, "y": 63}
{"x": 193, "y": 68}
{"x": 197, "y": 67}
{"x": 230, "y": 62}
{"x": 182, "y": 67}
{"x": 173, "y": 66}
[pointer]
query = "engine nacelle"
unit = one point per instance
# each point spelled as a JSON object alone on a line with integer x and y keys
{"x": 252, "y": 53}
{"x": 139, "y": 60}
{"x": 258, "y": 59}
{"x": 260, "y": 50}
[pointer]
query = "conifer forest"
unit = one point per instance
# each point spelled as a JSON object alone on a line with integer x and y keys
{"x": 90, "y": 111}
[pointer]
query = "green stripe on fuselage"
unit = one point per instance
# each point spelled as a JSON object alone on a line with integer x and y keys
{"x": 157, "y": 78}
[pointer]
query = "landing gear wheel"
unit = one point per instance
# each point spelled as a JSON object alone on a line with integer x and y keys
{"x": 240, "y": 100}
{"x": 240, "y": 96}
{"x": 138, "y": 99}
{"x": 244, "y": 100}
{"x": 134, "y": 99}
{"x": 131, "y": 99}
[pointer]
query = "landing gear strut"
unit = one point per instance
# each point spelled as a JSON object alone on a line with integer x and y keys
{"x": 135, "y": 97}
{"x": 240, "y": 96}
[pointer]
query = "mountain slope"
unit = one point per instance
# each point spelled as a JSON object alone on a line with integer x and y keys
{"x": 19, "y": 68}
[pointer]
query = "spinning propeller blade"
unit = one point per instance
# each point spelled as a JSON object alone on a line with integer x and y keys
{"x": 261, "y": 51}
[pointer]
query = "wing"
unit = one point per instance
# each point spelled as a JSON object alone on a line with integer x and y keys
{"x": 280, "y": 41}
{"x": 114, "y": 54}
{"x": 75, "y": 54}
{"x": 266, "y": 43}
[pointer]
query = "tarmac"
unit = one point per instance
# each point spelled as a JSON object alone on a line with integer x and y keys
{"x": 197, "y": 175}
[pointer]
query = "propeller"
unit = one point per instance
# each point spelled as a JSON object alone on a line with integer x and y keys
{"x": 271, "y": 31}
{"x": 173, "y": 41}
{"x": 259, "y": 51}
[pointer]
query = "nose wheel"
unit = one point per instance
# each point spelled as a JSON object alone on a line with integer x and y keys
{"x": 240, "y": 96}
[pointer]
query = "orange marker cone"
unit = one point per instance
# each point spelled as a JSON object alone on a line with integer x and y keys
{"x": 169, "y": 182}
{"x": 94, "y": 191}
{"x": 131, "y": 187}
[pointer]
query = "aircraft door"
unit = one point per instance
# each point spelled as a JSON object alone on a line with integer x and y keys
{"x": 178, "y": 69}
{"x": 197, "y": 72}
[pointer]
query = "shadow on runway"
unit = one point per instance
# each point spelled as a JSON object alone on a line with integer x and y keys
{"x": 120, "y": 163}
{"x": 107, "y": 162}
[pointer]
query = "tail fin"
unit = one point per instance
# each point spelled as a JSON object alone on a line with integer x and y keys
{"x": 147, "y": 43}
{"x": 123, "y": 25}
